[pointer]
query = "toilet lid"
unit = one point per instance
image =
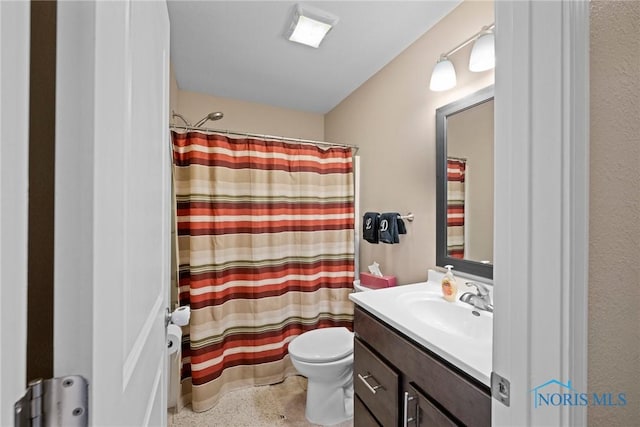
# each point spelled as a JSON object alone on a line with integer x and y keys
{"x": 322, "y": 345}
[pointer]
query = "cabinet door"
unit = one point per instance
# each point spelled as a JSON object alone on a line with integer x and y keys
{"x": 361, "y": 415}
{"x": 419, "y": 411}
{"x": 376, "y": 384}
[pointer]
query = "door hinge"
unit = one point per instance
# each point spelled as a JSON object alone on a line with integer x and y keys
{"x": 60, "y": 401}
{"x": 500, "y": 388}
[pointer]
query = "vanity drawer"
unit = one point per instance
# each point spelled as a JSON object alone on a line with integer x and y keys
{"x": 362, "y": 417}
{"x": 376, "y": 384}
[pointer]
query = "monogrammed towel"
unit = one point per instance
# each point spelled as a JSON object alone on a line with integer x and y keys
{"x": 389, "y": 228}
{"x": 370, "y": 225}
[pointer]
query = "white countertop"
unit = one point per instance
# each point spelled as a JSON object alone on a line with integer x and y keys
{"x": 470, "y": 351}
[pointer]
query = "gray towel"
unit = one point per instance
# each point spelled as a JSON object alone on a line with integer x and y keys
{"x": 402, "y": 229}
{"x": 389, "y": 228}
{"x": 370, "y": 225}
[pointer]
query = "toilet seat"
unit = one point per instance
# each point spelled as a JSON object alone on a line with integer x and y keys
{"x": 322, "y": 345}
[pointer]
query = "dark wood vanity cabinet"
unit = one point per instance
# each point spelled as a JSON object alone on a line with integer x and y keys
{"x": 397, "y": 382}
{"x": 376, "y": 384}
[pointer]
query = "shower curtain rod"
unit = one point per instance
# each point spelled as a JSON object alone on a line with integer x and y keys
{"x": 457, "y": 158}
{"x": 274, "y": 137}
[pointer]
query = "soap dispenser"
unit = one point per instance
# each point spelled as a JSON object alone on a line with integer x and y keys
{"x": 449, "y": 286}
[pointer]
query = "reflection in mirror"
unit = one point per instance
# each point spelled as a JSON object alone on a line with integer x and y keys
{"x": 470, "y": 183}
{"x": 464, "y": 194}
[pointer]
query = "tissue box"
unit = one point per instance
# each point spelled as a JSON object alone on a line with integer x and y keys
{"x": 376, "y": 282}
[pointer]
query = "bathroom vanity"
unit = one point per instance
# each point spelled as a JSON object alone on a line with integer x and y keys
{"x": 413, "y": 366}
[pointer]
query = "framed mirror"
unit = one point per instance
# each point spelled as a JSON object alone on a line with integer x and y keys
{"x": 464, "y": 184}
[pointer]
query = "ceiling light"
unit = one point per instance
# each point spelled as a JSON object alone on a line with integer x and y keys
{"x": 443, "y": 76}
{"x": 310, "y": 25}
{"x": 483, "y": 54}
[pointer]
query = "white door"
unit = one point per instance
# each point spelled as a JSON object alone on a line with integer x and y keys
{"x": 112, "y": 206}
{"x": 14, "y": 173}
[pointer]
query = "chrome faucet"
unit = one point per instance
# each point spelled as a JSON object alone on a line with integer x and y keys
{"x": 480, "y": 300}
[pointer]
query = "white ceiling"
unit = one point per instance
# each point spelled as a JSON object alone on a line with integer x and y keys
{"x": 236, "y": 49}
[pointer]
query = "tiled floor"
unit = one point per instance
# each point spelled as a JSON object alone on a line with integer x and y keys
{"x": 267, "y": 406}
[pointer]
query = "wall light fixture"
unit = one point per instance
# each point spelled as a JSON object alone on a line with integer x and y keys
{"x": 482, "y": 58}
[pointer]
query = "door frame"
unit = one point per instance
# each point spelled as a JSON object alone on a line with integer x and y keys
{"x": 542, "y": 205}
{"x": 15, "y": 23}
{"x": 560, "y": 288}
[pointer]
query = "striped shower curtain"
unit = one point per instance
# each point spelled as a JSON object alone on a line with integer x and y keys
{"x": 455, "y": 207}
{"x": 265, "y": 239}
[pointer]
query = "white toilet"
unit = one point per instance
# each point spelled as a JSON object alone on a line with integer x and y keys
{"x": 325, "y": 357}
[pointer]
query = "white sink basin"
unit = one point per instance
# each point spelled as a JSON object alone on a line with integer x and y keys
{"x": 449, "y": 329}
{"x": 456, "y": 318}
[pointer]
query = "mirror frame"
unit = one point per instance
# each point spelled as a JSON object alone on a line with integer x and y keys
{"x": 462, "y": 265}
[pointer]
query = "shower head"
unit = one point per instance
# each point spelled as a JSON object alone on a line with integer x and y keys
{"x": 211, "y": 116}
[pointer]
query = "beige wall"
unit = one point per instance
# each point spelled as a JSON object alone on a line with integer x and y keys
{"x": 242, "y": 116}
{"x": 614, "y": 247}
{"x": 392, "y": 118}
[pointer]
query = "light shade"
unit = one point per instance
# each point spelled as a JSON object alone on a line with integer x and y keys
{"x": 483, "y": 53}
{"x": 443, "y": 76}
{"x": 310, "y": 25}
